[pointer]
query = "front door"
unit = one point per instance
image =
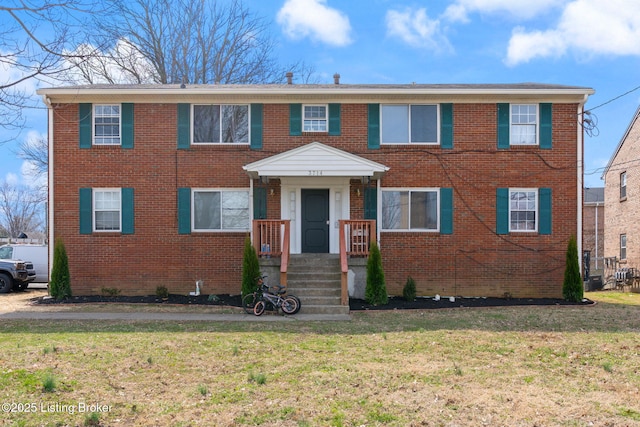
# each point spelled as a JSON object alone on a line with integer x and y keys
{"x": 315, "y": 221}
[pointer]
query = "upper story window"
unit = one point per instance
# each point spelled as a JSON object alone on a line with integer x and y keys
{"x": 524, "y": 124}
{"x": 623, "y": 185}
{"x": 410, "y": 209}
{"x": 106, "y": 124}
{"x": 216, "y": 124}
{"x": 107, "y": 209}
{"x": 215, "y": 210}
{"x": 314, "y": 118}
{"x": 523, "y": 209}
{"x": 410, "y": 124}
{"x": 623, "y": 246}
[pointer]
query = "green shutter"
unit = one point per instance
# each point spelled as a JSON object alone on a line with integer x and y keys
{"x": 504, "y": 120}
{"x": 295, "y": 119}
{"x": 127, "y": 210}
{"x": 373, "y": 133}
{"x": 86, "y": 208}
{"x": 446, "y": 126}
{"x": 371, "y": 203}
{"x": 256, "y": 126}
{"x": 546, "y": 114}
{"x": 259, "y": 203}
{"x": 86, "y": 122}
{"x": 184, "y": 126}
{"x": 127, "y": 125}
{"x": 184, "y": 211}
{"x": 446, "y": 211}
{"x": 544, "y": 210}
{"x": 334, "y": 119}
{"x": 502, "y": 211}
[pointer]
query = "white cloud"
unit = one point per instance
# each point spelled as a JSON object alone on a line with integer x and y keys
{"x": 588, "y": 27}
{"x": 460, "y": 10}
{"x": 314, "y": 19}
{"x": 415, "y": 28}
{"x": 12, "y": 179}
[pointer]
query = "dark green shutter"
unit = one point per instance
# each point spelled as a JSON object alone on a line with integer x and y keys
{"x": 373, "y": 133}
{"x": 127, "y": 125}
{"x": 371, "y": 203}
{"x": 545, "y": 126}
{"x": 259, "y": 203}
{"x": 446, "y": 126}
{"x": 544, "y": 209}
{"x": 295, "y": 119}
{"x": 256, "y": 126}
{"x": 127, "y": 210}
{"x": 502, "y": 211}
{"x": 446, "y": 211}
{"x": 86, "y": 122}
{"x": 504, "y": 120}
{"x": 184, "y": 126}
{"x": 184, "y": 211}
{"x": 86, "y": 208}
{"x": 334, "y": 119}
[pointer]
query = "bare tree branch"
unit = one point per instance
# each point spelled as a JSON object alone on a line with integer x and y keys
{"x": 20, "y": 208}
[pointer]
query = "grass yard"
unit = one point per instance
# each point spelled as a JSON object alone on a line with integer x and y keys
{"x": 523, "y": 366}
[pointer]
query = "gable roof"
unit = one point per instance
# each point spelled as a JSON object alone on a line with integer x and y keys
{"x": 315, "y": 159}
{"x": 622, "y": 140}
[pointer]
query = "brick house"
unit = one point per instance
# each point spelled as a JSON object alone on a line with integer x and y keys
{"x": 472, "y": 190}
{"x": 622, "y": 199}
{"x": 593, "y": 230}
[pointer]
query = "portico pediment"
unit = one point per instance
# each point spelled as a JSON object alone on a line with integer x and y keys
{"x": 315, "y": 159}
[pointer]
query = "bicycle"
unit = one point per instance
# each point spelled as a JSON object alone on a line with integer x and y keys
{"x": 258, "y": 301}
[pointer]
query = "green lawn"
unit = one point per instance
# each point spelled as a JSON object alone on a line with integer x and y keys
{"x": 518, "y": 366}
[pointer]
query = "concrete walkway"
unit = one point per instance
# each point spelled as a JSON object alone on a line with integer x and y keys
{"x": 170, "y": 317}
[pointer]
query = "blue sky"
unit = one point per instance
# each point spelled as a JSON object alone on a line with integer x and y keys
{"x": 592, "y": 43}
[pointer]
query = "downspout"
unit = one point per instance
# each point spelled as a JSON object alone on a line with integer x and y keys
{"x": 580, "y": 162}
{"x": 50, "y": 205}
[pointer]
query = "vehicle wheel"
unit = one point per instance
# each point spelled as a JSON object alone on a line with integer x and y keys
{"x": 248, "y": 302}
{"x": 298, "y": 301}
{"x": 259, "y": 308}
{"x": 290, "y": 305}
{"x": 5, "y": 283}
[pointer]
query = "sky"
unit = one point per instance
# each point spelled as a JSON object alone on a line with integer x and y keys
{"x": 587, "y": 43}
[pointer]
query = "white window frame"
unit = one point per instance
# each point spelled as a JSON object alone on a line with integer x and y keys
{"x": 623, "y": 246}
{"x": 95, "y": 210}
{"x": 536, "y": 209}
{"x": 623, "y": 185}
{"x": 512, "y": 126}
{"x": 193, "y": 124}
{"x": 408, "y": 130}
{"x": 409, "y": 190}
{"x": 318, "y": 120}
{"x": 221, "y": 191}
{"x": 106, "y": 140}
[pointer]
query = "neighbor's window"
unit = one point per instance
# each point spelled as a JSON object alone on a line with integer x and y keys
{"x": 220, "y": 210}
{"x": 623, "y": 185}
{"x": 106, "y": 209}
{"x": 523, "y": 209}
{"x": 215, "y": 124}
{"x": 106, "y": 124}
{"x": 524, "y": 124}
{"x": 410, "y": 209}
{"x": 403, "y": 124}
{"x": 623, "y": 246}
{"x": 314, "y": 118}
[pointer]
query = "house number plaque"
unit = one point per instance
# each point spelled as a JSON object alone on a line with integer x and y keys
{"x": 315, "y": 173}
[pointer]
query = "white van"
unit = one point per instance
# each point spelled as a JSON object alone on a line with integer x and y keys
{"x": 37, "y": 254}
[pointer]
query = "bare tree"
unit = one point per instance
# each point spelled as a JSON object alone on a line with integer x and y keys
{"x": 181, "y": 41}
{"x": 21, "y": 210}
{"x": 35, "y": 151}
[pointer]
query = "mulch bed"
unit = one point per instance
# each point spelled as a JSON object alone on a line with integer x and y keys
{"x": 395, "y": 303}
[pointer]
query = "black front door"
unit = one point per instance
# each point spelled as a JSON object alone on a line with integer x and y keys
{"x": 315, "y": 221}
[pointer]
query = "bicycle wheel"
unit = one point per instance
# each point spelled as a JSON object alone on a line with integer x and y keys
{"x": 298, "y": 301}
{"x": 248, "y": 302}
{"x": 259, "y": 308}
{"x": 290, "y": 305}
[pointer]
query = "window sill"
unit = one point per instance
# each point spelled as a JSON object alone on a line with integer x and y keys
{"x": 623, "y": 199}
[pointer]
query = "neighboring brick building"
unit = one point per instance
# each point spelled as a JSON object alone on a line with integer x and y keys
{"x": 593, "y": 229}
{"x": 622, "y": 198}
{"x": 474, "y": 188}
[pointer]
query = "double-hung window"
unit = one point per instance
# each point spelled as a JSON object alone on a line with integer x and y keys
{"x": 106, "y": 124}
{"x": 523, "y": 209}
{"x": 220, "y": 210}
{"x": 107, "y": 209}
{"x": 623, "y": 186}
{"x": 314, "y": 118}
{"x": 216, "y": 124}
{"x": 410, "y": 209}
{"x": 623, "y": 246}
{"x": 524, "y": 124}
{"x": 410, "y": 124}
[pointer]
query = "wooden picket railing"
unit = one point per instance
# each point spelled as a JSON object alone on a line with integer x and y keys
{"x": 355, "y": 238}
{"x": 271, "y": 239}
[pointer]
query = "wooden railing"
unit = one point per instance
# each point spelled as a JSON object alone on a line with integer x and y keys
{"x": 271, "y": 239}
{"x": 355, "y": 238}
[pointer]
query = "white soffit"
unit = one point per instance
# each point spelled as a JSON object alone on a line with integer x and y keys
{"x": 315, "y": 160}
